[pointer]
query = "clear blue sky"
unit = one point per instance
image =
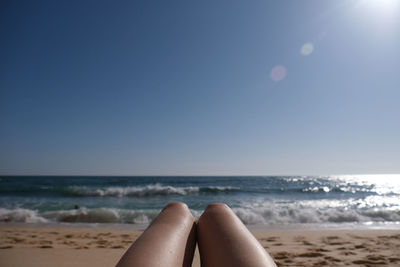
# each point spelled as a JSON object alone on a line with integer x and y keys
{"x": 185, "y": 87}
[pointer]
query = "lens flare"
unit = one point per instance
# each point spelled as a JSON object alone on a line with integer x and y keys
{"x": 307, "y": 49}
{"x": 278, "y": 73}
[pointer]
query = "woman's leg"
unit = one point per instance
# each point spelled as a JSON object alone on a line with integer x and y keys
{"x": 225, "y": 241}
{"x": 169, "y": 241}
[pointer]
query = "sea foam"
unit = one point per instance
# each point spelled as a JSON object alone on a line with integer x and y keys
{"x": 20, "y": 215}
{"x": 149, "y": 190}
{"x": 273, "y": 215}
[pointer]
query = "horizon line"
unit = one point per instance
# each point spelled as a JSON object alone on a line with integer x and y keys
{"x": 189, "y": 175}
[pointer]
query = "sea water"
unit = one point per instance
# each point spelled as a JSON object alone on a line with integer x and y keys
{"x": 318, "y": 201}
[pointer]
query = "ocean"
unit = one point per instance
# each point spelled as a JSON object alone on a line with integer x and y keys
{"x": 263, "y": 201}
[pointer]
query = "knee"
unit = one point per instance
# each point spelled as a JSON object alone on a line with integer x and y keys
{"x": 176, "y": 205}
{"x": 178, "y": 208}
{"x": 216, "y": 207}
{"x": 212, "y": 210}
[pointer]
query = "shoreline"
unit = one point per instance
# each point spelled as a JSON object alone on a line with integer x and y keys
{"x": 298, "y": 226}
{"x": 82, "y": 245}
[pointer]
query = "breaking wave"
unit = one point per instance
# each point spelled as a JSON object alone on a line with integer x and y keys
{"x": 307, "y": 216}
{"x": 257, "y": 216}
{"x": 21, "y": 216}
{"x": 149, "y": 190}
{"x": 82, "y": 215}
{"x": 320, "y": 212}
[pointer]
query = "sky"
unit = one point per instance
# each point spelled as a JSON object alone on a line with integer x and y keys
{"x": 221, "y": 87}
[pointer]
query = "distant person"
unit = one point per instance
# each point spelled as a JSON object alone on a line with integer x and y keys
{"x": 170, "y": 240}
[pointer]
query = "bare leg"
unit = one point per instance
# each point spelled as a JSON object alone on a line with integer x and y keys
{"x": 169, "y": 241}
{"x": 225, "y": 241}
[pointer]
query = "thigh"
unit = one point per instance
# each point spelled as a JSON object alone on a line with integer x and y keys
{"x": 169, "y": 241}
{"x": 225, "y": 241}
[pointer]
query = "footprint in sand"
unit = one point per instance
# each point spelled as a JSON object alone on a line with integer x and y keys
{"x": 360, "y": 246}
{"x": 46, "y": 246}
{"x": 329, "y": 258}
{"x": 369, "y": 262}
{"x": 6, "y": 247}
{"x": 118, "y": 246}
{"x": 394, "y": 259}
{"x": 321, "y": 263}
{"x": 104, "y": 234}
{"x": 17, "y": 240}
{"x": 375, "y": 257}
{"x": 69, "y": 243}
{"x": 319, "y": 250}
{"x": 82, "y": 247}
{"x": 334, "y": 241}
{"x": 282, "y": 255}
{"x": 53, "y": 233}
{"x": 347, "y": 253}
{"x": 306, "y": 243}
{"x": 310, "y": 255}
{"x": 102, "y": 242}
{"x": 302, "y": 239}
{"x": 269, "y": 239}
{"x": 332, "y": 237}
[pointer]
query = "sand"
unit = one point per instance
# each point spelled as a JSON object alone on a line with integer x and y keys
{"x": 38, "y": 245}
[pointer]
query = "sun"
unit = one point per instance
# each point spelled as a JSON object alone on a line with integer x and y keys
{"x": 381, "y": 14}
{"x": 384, "y": 6}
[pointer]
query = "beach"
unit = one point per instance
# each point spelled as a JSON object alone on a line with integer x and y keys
{"x": 66, "y": 245}
{"x": 299, "y": 220}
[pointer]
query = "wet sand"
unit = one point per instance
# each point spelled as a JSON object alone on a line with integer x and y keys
{"x": 37, "y": 245}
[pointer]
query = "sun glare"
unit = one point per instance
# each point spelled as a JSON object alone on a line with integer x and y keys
{"x": 382, "y": 16}
{"x": 382, "y": 6}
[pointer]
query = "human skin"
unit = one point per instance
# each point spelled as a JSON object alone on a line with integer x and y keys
{"x": 169, "y": 241}
{"x": 224, "y": 240}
